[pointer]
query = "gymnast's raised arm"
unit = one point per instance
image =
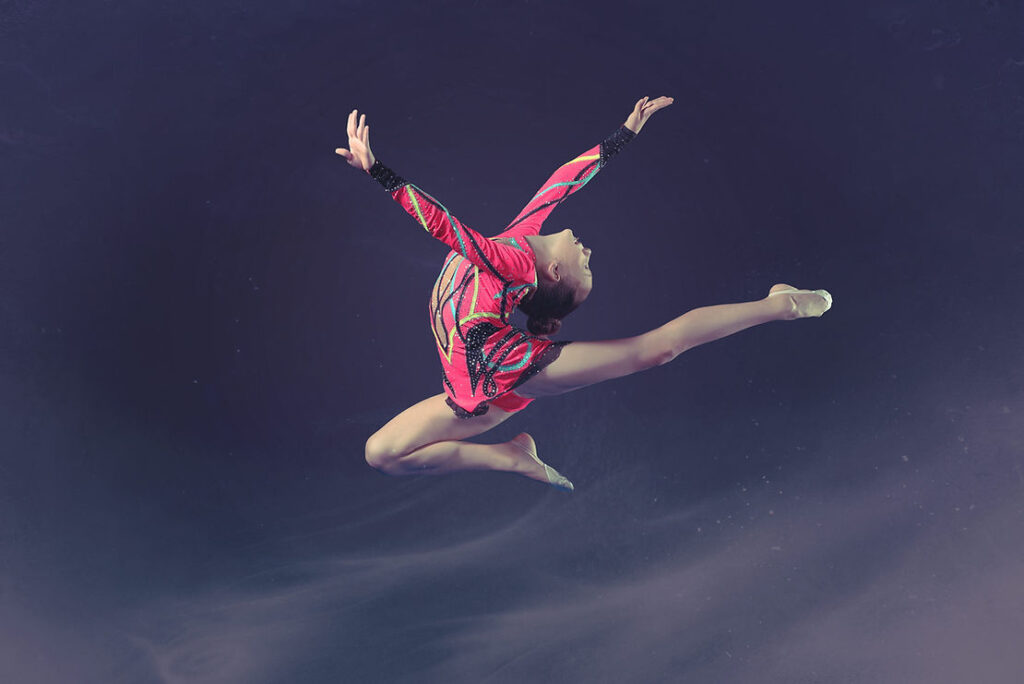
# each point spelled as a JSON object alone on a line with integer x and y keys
{"x": 500, "y": 260}
{"x": 577, "y": 172}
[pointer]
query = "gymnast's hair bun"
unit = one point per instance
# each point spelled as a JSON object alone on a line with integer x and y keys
{"x": 543, "y": 326}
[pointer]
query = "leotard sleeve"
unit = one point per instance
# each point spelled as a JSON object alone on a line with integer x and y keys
{"x": 500, "y": 260}
{"x": 567, "y": 179}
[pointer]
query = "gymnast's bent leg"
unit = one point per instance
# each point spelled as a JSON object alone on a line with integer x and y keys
{"x": 585, "y": 363}
{"x": 426, "y": 439}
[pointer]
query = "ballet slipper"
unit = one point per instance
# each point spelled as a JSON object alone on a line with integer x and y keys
{"x": 808, "y": 309}
{"x": 555, "y": 478}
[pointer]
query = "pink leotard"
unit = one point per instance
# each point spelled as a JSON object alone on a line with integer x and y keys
{"x": 483, "y": 356}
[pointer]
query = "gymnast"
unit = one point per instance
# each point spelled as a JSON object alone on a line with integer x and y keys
{"x": 491, "y": 369}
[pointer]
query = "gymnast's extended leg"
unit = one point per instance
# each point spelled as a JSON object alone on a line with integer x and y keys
{"x": 585, "y": 363}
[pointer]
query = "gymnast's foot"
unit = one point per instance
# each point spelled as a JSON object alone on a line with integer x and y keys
{"x": 800, "y": 303}
{"x": 527, "y": 463}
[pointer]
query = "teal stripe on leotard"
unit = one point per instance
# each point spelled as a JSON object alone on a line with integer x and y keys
{"x": 525, "y": 360}
{"x": 451, "y": 299}
{"x": 458, "y": 233}
{"x": 451, "y": 284}
{"x": 423, "y": 221}
{"x": 510, "y": 290}
{"x": 581, "y": 182}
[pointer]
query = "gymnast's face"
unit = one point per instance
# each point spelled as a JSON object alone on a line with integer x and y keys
{"x": 573, "y": 261}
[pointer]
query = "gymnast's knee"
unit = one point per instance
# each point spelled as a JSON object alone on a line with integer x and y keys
{"x": 381, "y": 455}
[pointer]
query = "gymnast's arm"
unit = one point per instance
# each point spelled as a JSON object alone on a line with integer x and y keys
{"x": 577, "y": 172}
{"x": 567, "y": 179}
{"x": 502, "y": 261}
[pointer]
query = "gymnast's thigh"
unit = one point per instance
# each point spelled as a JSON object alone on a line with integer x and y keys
{"x": 586, "y": 363}
{"x": 429, "y": 421}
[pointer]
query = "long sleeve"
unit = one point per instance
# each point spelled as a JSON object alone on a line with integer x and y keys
{"x": 566, "y": 180}
{"x": 500, "y": 260}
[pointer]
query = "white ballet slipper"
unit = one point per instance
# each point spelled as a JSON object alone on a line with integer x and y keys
{"x": 812, "y": 308}
{"x": 555, "y": 478}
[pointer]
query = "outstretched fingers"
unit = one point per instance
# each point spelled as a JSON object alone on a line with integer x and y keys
{"x": 357, "y": 128}
{"x": 358, "y": 153}
{"x": 660, "y": 103}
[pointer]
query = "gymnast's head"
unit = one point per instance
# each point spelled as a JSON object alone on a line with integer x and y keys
{"x": 564, "y": 280}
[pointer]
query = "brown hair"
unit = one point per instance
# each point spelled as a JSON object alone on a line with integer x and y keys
{"x": 548, "y": 305}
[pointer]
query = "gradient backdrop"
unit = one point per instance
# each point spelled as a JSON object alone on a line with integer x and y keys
{"x": 205, "y": 313}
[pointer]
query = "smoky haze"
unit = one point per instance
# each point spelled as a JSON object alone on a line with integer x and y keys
{"x": 207, "y": 313}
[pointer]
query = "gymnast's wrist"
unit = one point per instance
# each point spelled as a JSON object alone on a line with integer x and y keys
{"x": 385, "y": 176}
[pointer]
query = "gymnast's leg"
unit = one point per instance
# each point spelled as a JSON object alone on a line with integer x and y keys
{"x": 426, "y": 439}
{"x": 585, "y": 363}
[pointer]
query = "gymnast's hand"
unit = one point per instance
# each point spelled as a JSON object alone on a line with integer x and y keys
{"x": 643, "y": 110}
{"x": 358, "y": 153}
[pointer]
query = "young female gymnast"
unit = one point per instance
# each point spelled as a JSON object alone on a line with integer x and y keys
{"x": 491, "y": 369}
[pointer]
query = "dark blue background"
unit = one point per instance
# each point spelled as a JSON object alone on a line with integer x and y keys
{"x": 205, "y": 313}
